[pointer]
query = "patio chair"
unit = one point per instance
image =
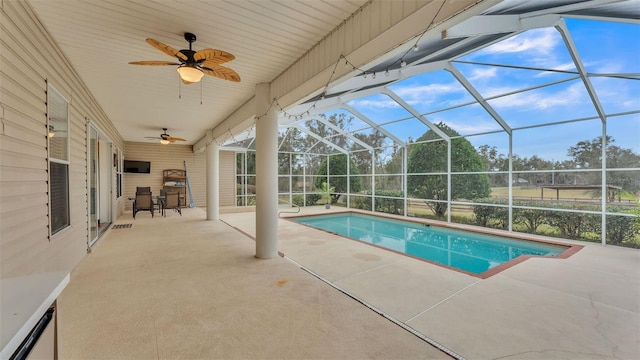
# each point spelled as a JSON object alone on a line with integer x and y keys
{"x": 143, "y": 189}
{"x": 143, "y": 201}
{"x": 172, "y": 201}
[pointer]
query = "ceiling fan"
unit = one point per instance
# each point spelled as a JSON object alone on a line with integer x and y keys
{"x": 165, "y": 138}
{"x": 194, "y": 64}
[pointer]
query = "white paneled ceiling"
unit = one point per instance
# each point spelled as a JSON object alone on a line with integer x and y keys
{"x": 100, "y": 38}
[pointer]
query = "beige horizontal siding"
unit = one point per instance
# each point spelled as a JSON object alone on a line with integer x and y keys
{"x": 30, "y": 60}
{"x": 171, "y": 157}
{"x": 163, "y": 157}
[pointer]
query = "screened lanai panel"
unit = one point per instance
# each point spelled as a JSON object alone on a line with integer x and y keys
{"x": 558, "y": 143}
{"x": 360, "y": 184}
{"x": 568, "y": 179}
{"x": 467, "y": 120}
{"x": 432, "y": 91}
{"x": 293, "y": 140}
{"x": 323, "y": 130}
{"x": 379, "y": 108}
{"x": 621, "y": 231}
{"x": 559, "y": 102}
{"x": 242, "y": 144}
{"x": 624, "y": 133}
{"x": 617, "y": 49}
{"x": 297, "y": 183}
{"x": 373, "y": 138}
{"x": 623, "y": 199}
{"x": 297, "y": 164}
{"x": 493, "y": 80}
{"x": 346, "y": 142}
{"x": 388, "y": 160}
{"x": 313, "y": 162}
{"x": 428, "y": 157}
{"x": 390, "y": 185}
{"x": 352, "y": 123}
{"x": 363, "y": 161}
{"x": 617, "y": 95}
{"x": 284, "y": 163}
{"x": 406, "y": 130}
{"x": 538, "y": 48}
{"x": 493, "y": 148}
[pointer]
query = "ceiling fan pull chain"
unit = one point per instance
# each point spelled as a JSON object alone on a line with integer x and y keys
{"x": 179, "y": 89}
{"x": 201, "y": 93}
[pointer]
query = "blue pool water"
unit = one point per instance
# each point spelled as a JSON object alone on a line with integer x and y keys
{"x": 468, "y": 251}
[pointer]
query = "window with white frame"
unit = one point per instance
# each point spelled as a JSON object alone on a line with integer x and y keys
{"x": 58, "y": 135}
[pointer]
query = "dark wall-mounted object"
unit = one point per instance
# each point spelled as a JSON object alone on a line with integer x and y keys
{"x": 136, "y": 166}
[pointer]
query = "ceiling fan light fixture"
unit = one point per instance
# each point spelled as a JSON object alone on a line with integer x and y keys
{"x": 190, "y": 73}
{"x": 164, "y": 141}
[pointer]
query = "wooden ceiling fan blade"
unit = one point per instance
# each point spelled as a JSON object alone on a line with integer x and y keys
{"x": 173, "y": 138}
{"x": 221, "y": 72}
{"x": 166, "y": 49}
{"x": 153, "y": 63}
{"x": 214, "y": 55}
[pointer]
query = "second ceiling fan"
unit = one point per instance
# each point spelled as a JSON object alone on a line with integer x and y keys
{"x": 194, "y": 64}
{"x": 165, "y": 138}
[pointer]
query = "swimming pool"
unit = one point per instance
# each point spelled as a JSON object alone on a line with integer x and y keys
{"x": 464, "y": 250}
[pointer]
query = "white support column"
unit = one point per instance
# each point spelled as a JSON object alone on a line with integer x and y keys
{"x": 213, "y": 181}
{"x": 266, "y": 175}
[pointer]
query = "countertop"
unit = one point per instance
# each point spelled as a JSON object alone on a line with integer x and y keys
{"x": 23, "y": 301}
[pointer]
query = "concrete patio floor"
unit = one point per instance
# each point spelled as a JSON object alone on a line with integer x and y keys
{"x": 183, "y": 287}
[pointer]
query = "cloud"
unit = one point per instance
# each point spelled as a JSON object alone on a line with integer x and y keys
{"x": 572, "y": 95}
{"x": 428, "y": 90}
{"x": 442, "y": 94}
{"x": 472, "y": 126}
{"x": 482, "y": 74}
{"x": 376, "y": 104}
{"x": 537, "y": 41}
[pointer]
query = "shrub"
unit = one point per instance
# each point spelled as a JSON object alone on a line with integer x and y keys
{"x": 297, "y": 199}
{"x": 621, "y": 230}
{"x": 312, "y": 199}
{"x": 574, "y": 224}
{"x": 389, "y": 205}
{"x": 530, "y": 218}
{"x": 361, "y": 202}
{"x": 488, "y": 215}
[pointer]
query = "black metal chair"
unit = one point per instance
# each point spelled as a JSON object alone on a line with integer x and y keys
{"x": 143, "y": 201}
{"x": 143, "y": 189}
{"x": 172, "y": 201}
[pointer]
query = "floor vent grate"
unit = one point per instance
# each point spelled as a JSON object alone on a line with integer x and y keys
{"x": 121, "y": 226}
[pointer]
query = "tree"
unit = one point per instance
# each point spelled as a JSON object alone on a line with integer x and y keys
{"x": 431, "y": 157}
{"x": 587, "y": 154}
{"x": 338, "y": 173}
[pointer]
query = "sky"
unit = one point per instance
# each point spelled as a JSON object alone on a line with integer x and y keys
{"x": 604, "y": 48}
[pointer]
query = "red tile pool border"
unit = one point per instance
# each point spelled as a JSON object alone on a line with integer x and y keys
{"x": 571, "y": 248}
